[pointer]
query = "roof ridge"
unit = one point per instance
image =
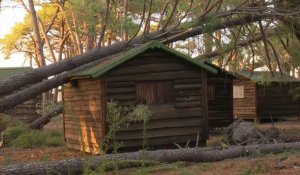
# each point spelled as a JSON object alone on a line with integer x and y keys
{"x": 98, "y": 70}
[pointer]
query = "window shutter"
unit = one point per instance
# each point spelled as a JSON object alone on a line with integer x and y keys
{"x": 145, "y": 92}
{"x": 165, "y": 92}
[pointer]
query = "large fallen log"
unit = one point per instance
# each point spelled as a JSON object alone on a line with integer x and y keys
{"x": 90, "y": 58}
{"x": 40, "y": 74}
{"x": 45, "y": 118}
{"x": 75, "y": 165}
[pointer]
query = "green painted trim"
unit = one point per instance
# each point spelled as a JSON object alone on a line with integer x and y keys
{"x": 136, "y": 51}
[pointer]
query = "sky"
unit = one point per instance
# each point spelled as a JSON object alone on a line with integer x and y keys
{"x": 9, "y": 15}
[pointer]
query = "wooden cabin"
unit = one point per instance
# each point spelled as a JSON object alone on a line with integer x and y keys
{"x": 172, "y": 84}
{"x": 25, "y": 112}
{"x": 220, "y": 97}
{"x": 258, "y": 96}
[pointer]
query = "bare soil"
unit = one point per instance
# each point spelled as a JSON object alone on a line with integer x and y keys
{"x": 284, "y": 163}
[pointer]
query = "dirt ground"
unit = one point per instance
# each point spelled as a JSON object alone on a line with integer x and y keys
{"x": 284, "y": 163}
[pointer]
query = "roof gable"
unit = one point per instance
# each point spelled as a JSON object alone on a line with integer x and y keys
{"x": 8, "y": 72}
{"x": 113, "y": 61}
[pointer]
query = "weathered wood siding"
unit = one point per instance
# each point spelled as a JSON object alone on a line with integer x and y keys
{"x": 220, "y": 106}
{"x": 25, "y": 112}
{"x": 245, "y": 108}
{"x": 83, "y": 115}
{"x": 178, "y": 122}
{"x": 274, "y": 99}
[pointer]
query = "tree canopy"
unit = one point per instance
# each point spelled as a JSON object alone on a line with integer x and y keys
{"x": 236, "y": 34}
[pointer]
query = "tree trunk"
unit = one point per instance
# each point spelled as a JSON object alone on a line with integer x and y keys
{"x": 19, "y": 97}
{"x": 75, "y": 165}
{"x": 38, "y": 75}
{"x": 39, "y": 43}
{"x": 42, "y": 121}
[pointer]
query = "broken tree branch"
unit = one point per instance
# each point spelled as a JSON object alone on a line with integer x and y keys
{"x": 42, "y": 121}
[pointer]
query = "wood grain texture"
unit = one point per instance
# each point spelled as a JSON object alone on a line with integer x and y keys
{"x": 159, "y": 78}
{"x": 245, "y": 108}
{"x": 172, "y": 88}
{"x": 220, "y": 107}
{"x": 266, "y": 101}
{"x": 83, "y": 115}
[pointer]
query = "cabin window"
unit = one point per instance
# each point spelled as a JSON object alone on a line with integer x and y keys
{"x": 238, "y": 92}
{"x": 155, "y": 92}
{"x": 211, "y": 92}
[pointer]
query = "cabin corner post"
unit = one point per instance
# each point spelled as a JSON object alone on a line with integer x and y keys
{"x": 103, "y": 85}
{"x": 204, "y": 104}
{"x": 257, "y": 117}
{"x": 63, "y": 112}
{"x": 232, "y": 100}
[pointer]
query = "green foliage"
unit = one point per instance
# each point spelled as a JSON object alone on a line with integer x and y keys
{"x": 12, "y": 133}
{"x": 263, "y": 79}
{"x": 121, "y": 116}
{"x": 118, "y": 116}
{"x": 18, "y": 40}
{"x": 17, "y": 134}
{"x": 7, "y": 121}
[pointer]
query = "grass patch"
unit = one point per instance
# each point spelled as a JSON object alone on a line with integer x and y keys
{"x": 7, "y": 121}
{"x": 18, "y": 135}
{"x": 36, "y": 138}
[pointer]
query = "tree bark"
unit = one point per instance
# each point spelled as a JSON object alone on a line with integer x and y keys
{"x": 42, "y": 121}
{"x": 38, "y": 75}
{"x": 39, "y": 43}
{"x": 19, "y": 97}
{"x": 75, "y": 165}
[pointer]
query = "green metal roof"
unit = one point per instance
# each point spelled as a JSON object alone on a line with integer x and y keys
{"x": 113, "y": 61}
{"x": 266, "y": 76}
{"x": 7, "y": 72}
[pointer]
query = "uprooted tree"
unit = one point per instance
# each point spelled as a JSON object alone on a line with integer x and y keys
{"x": 247, "y": 25}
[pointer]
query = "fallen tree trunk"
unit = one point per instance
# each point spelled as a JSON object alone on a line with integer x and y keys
{"x": 23, "y": 95}
{"x": 37, "y": 75}
{"x": 42, "y": 121}
{"x": 75, "y": 165}
{"x": 40, "y": 74}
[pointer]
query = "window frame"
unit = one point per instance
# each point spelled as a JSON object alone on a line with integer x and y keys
{"x": 159, "y": 88}
{"x": 236, "y": 94}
